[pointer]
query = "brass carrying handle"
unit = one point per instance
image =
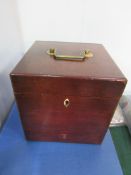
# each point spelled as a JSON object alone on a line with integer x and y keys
{"x": 86, "y": 54}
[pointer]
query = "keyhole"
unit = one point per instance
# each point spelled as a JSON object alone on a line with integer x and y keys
{"x": 66, "y": 102}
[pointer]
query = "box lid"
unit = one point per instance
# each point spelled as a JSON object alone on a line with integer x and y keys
{"x": 37, "y": 62}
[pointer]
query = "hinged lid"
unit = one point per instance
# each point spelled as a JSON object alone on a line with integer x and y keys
{"x": 38, "y": 62}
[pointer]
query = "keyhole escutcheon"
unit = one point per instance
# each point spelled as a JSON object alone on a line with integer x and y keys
{"x": 66, "y": 102}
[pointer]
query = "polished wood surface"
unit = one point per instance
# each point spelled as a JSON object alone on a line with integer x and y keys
{"x": 67, "y": 86}
{"x": 41, "y": 84}
{"x": 37, "y": 62}
{"x": 45, "y": 117}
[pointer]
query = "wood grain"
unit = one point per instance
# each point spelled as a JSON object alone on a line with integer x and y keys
{"x": 41, "y": 84}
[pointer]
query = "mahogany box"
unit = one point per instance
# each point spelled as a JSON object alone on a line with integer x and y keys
{"x": 67, "y": 92}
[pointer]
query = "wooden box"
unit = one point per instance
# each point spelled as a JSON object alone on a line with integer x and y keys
{"x": 67, "y": 98}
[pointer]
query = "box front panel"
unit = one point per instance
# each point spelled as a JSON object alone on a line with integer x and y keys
{"x": 41, "y": 102}
{"x": 45, "y": 117}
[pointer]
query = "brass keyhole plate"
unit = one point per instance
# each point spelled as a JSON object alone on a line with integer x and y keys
{"x": 66, "y": 102}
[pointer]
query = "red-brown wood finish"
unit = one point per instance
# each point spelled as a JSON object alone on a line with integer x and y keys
{"x": 41, "y": 84}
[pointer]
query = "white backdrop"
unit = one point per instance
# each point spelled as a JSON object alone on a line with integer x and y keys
{"x": 104, "y": 21}
{"x": 11, "y": 50}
